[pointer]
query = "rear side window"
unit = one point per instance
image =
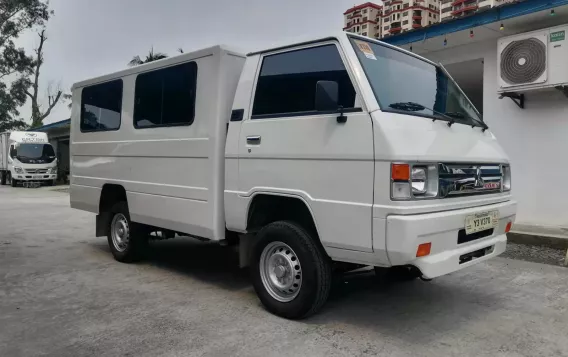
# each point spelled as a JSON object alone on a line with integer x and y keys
{"x": 101, "y": 105}
{"x": 287, "y": 81}
{"x": 165, "y": 97}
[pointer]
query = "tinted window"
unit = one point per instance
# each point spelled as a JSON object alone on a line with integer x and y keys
{"x": 100, "y": 106}
{"x": 166, "y": 97}
{"x": 287, "y": 81}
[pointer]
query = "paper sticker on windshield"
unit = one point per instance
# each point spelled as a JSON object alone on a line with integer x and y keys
{"x": 366, "y": 49}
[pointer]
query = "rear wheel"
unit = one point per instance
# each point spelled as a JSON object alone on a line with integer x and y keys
{"x": 290, "y": 271}
{"x": 125, "y": 239}
{"x": 2, "y": 178}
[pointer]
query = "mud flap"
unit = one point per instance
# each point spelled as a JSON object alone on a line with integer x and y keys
{"x": 102, "y": 224}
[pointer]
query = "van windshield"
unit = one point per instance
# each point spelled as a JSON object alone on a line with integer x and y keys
{"x": 409, "y": 85}
{"x": 35, "y": 153}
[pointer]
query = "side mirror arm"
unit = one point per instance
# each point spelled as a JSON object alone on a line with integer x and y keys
{"x": 341, "y": 119}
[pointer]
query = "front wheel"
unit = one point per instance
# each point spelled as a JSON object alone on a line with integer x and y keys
{"x": 125, "y": 240}
{"x": 13, "y": 182}
{"x": 290, "y": 271}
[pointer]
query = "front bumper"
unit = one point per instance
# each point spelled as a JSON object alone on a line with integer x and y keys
{"x": 35, "y": 177}
{"x": 405, "y": 233}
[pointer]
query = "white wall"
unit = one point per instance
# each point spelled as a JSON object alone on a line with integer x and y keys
{"x": 535, "y": 138}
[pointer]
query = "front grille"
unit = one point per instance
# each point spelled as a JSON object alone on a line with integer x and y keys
{"x": 469, "y": 179}
{"x": 36, "y": 171}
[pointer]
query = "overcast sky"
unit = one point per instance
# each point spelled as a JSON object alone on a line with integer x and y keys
{"x": 89, "y": 38}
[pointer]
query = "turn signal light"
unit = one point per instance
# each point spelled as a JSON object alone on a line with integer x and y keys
{"x": 423, "y": 250}
{"x": 508, "y": 227}
{"x": 400, "y": 172}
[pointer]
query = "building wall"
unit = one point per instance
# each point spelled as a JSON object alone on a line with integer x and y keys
{"x": 534, "y": 138}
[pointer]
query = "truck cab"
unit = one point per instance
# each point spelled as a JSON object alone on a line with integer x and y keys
{"x": 30, "y": 158}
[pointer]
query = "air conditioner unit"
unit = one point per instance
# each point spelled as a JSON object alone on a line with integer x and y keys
{"x": 533, "y": 60}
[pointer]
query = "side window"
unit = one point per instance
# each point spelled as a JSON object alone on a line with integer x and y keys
{"x": 165, "y": 97}
{"x": 101, "y": 105}
{"x": 13, "y": 151}
{"x": 287, "y": 81}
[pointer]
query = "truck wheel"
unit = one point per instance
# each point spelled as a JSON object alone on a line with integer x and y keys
{"x": 290, "y": 271}
{"x": 50, "y": 182}
{"x": 13, "y": 182}
{"x": 2, "y": 178}
{"x": 124, "y": 238}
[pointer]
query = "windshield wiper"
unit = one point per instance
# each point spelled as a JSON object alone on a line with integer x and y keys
{"x": 450, "y": 116}
{"x": 414, "y": 107}
{"x": 463, "y": 116}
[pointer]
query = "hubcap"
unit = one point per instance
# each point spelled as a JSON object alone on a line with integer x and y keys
{"x": 280, "y": 271}
{"x": 120, "y": 232}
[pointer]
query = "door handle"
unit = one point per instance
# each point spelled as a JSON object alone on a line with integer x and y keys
{"x": 253, "y": 140}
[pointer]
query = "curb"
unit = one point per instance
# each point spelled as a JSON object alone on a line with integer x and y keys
{"x": 531, "y": 239}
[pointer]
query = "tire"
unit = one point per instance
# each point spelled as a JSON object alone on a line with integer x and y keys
{"x": 303, "y": 294}
{"x": 2, "y": 178}
{"x": 136, "y": 243}
{"x": 13, "y": 182}
{"x": 50, "y": 182}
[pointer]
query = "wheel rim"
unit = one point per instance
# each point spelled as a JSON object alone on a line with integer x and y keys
{"x": 280, "y": 271}
{"x": 120, "y": 232}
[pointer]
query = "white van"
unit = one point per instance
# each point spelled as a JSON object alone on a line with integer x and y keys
{"x": 26, "y": 157}
{"x": 339, "y": 149}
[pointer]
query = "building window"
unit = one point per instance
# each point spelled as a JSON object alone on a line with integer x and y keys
{"x": 364, "y": 34}
{"x": 448, "y": 9}
{"x": 101, "y": 106}
{"x": 406, "y": 5}
{"x": 405, "y": 22}
{"x": 365, "y": 19}
{"x": 287, "y": 81}
{"x": 405, "y": 14}
{"x": 386, "y": 19}
{"x": 364, "y": 26}
{"x": 398, "y": 16}
{"x": 165, "y": 97}
{"x": 364, "y": 11}
{"x": 386, "y": 28}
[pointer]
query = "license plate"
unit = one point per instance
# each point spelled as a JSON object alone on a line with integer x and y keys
{"x": 37, "y": 176}
{"x": 481, "y": 221}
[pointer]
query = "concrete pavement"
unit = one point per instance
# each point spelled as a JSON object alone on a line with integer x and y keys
{"x": 62, "y": 294}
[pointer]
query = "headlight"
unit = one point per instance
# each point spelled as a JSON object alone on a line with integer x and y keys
{"x": 53, "y": 170}
{"x": 506, "y": 172}
{"x": 19, "y": 170}
{"x": 417, "y": 181}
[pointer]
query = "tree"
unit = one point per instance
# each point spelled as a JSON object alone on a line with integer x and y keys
{"x": 53, "y": 94}
{"x": 16, "y": 16}
{"x": 150, "y": 57}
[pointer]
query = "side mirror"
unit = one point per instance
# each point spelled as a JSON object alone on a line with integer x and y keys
{"x": 327, "y": 99}
{"x": 327, "y": 96}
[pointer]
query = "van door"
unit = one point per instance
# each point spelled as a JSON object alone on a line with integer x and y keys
{"x": 287, "y": 147}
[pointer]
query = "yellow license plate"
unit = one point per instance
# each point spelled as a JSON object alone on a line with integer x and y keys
{"x": 481, "y": 221}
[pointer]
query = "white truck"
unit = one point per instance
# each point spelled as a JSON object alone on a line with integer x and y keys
{"x": 26, "y": 157}
{"x": 337, "y": 151}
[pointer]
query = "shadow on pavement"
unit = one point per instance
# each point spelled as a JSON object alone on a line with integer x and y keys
{"x": 414, "y": 311}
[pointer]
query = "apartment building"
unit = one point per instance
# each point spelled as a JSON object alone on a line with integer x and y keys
{"x": 395, "y": 16}
{"x": 364, "y": 20}
{"x": 452, "y": 9}
{"x": 404, "y": 15}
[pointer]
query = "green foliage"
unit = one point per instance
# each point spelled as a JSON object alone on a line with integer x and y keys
{"x": 150, "y": 57}
{"x": 16, "y": 16}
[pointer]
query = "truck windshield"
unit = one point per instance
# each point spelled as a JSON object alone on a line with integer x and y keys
{"x": 35, "y": 153}
{"x": 407, "y": 84}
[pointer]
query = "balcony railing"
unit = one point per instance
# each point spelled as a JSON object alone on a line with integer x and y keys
{"x": 395, "y": 29}
{"x": 464, "y": 9}
{"x": 416, "y": 17}
{"x": 416, "y": 26}
{"x": 457, "y": 2}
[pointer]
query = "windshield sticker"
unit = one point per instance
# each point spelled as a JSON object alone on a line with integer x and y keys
{"x": 366, "y": 49}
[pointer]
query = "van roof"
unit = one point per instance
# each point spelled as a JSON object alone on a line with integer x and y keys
{"x": 205, "y": 52}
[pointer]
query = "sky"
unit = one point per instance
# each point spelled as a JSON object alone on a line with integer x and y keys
{"x": 90, "y": 38}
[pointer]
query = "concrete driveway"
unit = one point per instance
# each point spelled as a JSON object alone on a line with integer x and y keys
{"x": 62, "y": 294}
